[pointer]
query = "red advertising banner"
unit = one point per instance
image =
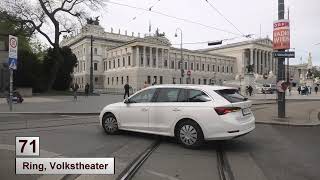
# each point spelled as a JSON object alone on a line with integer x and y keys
{"x": 281, "y": 34}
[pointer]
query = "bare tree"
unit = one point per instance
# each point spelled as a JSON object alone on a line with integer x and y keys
{"x": 50, "y": 17}
{"x": 44, "y": 16}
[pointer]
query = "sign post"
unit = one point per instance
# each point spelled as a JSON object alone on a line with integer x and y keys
{"x": 12, "y": 63}
{"x": 281, "y": 42}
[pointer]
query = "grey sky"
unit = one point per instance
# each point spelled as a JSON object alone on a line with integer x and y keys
{"x": 247, "y": 15}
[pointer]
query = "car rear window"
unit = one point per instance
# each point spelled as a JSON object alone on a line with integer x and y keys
{"x": 231, "y": 95}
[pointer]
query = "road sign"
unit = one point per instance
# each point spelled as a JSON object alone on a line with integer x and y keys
{"x": 13, "y": 47}
{"x": 284, "y": 54}
{"x": 13, "y": 52}
{"x": 281, "y": 34}
{"x": 12, "y": 63}
{"x": 282, "y": 86}
{"x": 189, "y": 73}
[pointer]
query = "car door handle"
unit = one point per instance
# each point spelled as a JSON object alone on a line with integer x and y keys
{"x": 144, "y": 109}
{"x": 176, "y": 110}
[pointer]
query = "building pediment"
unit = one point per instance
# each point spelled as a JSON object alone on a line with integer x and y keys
{"x": 163, "y": 41}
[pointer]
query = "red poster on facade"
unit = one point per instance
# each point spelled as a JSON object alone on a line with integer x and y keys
{"x": 281, "y": 34}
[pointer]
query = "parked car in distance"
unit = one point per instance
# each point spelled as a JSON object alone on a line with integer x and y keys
{"x": 191, "y": 113}
{"x": 269, "y": 88}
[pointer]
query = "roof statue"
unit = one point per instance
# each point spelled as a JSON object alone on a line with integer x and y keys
{"x": 92, "y": 21}
{"x": 159, "y": 34}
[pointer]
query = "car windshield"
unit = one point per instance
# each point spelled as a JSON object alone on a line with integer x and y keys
{"x": 231, "y": 95}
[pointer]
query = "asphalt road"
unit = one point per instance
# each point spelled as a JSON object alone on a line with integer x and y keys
{"x": 271, "y": 152}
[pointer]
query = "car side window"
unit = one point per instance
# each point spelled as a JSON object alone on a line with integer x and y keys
{"x": 168, "y": 95}
{"x": 144, "y": 96}
{"x": 183, "y": 96}
{"x": 197, "y": 96}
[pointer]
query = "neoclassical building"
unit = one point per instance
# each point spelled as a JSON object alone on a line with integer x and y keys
{"x": 259, "y": 53}
{"x": 120, "y": 58}
{"x": 152, "y": 60}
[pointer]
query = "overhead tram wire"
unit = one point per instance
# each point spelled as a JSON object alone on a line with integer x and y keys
{"x": 220, "y": 13}
{"x": 206, "y": 42}
{"x": 174, "y": 17}
{"x": 150, "y": 8}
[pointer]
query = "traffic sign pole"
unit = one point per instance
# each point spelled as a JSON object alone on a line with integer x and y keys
{"x": 11, "y": 89}
{"x": 281, "y": 69}
{"x": 12, "y": 64}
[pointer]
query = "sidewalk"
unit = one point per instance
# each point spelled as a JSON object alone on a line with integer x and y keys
{"x": 297, "y": 114}
{"x": 294, "y": 95}
{"x": 304, "y": 110}
{"x": 62, "y": 104}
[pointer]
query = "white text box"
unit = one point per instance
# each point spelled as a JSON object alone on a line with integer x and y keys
{"x": 64, "y": 165}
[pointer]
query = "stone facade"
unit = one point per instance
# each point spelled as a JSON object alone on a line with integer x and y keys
{"x": 118, "y": 58}
{"x": 257, "y": 52}
{"x": 152, "y": 60}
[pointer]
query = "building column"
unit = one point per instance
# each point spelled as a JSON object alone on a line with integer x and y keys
{"x": 137, "y": 56}
{"x": 255, "y": 61}
{"x": 269, "y": 61}
{"x": 262, "y": 61}
{"x": 251, "y": 57}
{"x": 168, "y": 59}
{"x": 162, "y": 58}
{"x": 157, "y": 58}
{"x": 151, "y": 58}
{"x": 144, "y": 56}
{"x": 258, "y": 61}
{"x": 243, "y": 70}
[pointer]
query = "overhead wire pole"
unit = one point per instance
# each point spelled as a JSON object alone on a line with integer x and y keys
{"x": 181, "y": 55}
{"x": 281, "y": 69}
{"x": 288, "y": 58}
{"x": 91, "y": 65}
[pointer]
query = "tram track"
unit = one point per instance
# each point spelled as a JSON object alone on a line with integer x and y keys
{"x": 223, "y": 166}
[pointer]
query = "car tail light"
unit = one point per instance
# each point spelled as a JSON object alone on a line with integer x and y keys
{"x": 226, "y": 110}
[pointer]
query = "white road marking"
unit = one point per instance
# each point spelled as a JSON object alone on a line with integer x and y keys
{"x": 162, "y": 175}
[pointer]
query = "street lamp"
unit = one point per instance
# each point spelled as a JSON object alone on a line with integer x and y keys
{"x": 181, "y": 61}
{"x": 91, "y": 65}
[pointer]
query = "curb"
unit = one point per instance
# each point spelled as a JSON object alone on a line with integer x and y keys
{"x": 288, "y": 124}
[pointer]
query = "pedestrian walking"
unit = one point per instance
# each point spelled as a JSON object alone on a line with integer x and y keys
{"x": 289, "y": 90}
{"x": 316, "y": 89}
{"x": 309, "y": 89}
{"x": 86, "y": 90}
{"x": 75, "y": 88}
{"x": 250, "y": 90}
{"x": 145, "y": 84}
{"x": 126, "y": 90}
{"x": 247, "y": 90}
{"x": 299, "y": 89}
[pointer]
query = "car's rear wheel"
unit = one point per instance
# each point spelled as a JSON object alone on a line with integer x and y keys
{"x": 189, "y": 134}
{"x": 110, "y": 124}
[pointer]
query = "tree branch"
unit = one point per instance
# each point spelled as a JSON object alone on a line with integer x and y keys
{"x": 75, "y": 2}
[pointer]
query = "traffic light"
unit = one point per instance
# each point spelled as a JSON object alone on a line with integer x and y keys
{"x": 214, "y": 43}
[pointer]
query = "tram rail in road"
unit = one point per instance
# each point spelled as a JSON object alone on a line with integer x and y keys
{"x": 224, "y": 169}
{"x": 130, "y": 171}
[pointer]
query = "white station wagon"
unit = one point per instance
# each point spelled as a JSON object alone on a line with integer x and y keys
{"x": 191, "y": 113}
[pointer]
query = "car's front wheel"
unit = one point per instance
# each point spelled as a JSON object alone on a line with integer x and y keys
{"x": 110, "y": 124}
{"x": 189, "y": 134}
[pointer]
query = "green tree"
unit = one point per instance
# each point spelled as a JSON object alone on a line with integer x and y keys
{"x": 65, "y": 67}
{"x": 315, "y": 72}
